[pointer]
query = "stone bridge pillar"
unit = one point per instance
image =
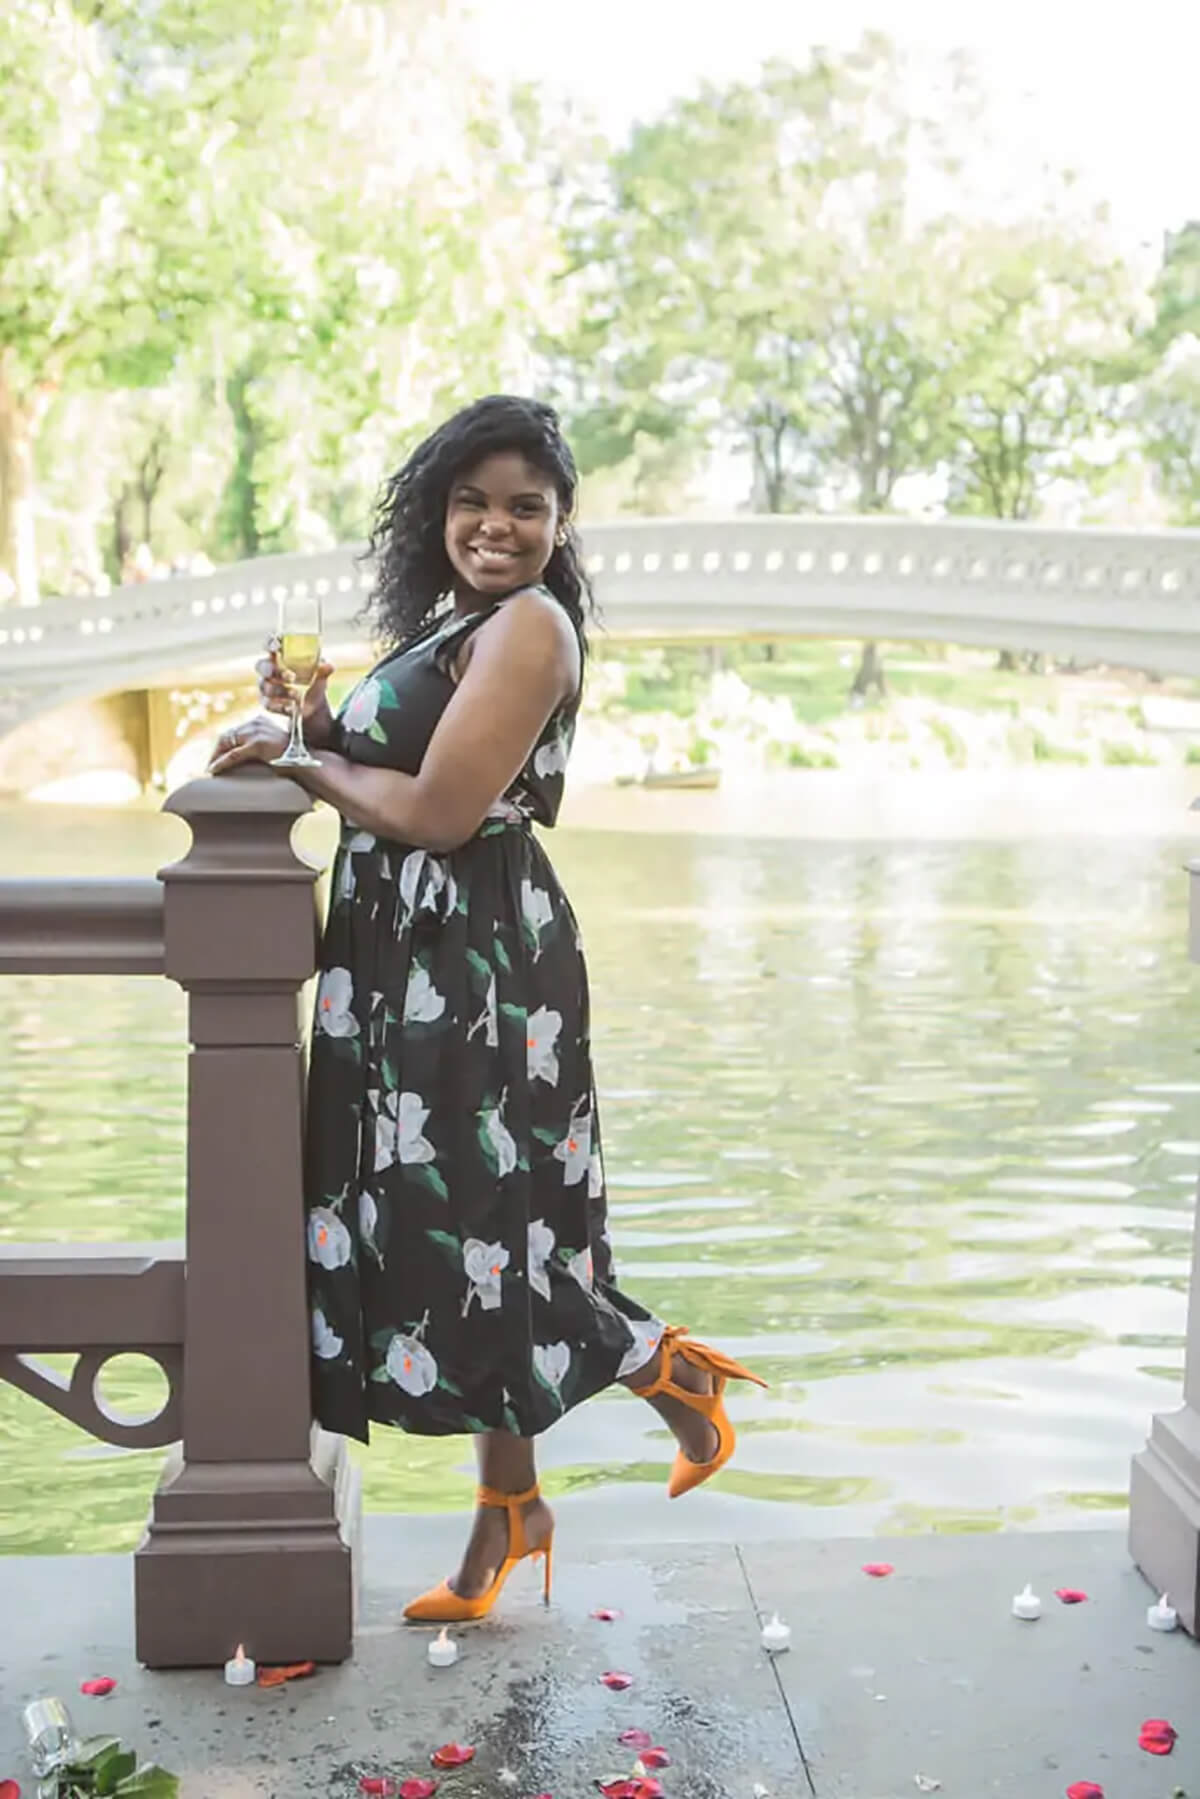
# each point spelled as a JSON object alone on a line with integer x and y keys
{"x": 1164, "y": 1506}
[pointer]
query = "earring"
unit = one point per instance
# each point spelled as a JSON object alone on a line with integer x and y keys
{"x": 560, "y": 536}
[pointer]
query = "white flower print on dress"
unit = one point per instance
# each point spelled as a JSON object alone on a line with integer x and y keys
{"x": 541, "y": 1248}
{"x": 595, "y": 1175}
{"x": 325, "y": 1340}
{"x": 335, "y": 996}
{"x": 502, "y": 1142}
{"x": 541, "y": 1040}
{"x": 359, "y": 712}
{"x": 398, "y": 1131}
{"x": 345, "y": 886}
{"x": 425, "y": 886}
{"x": 484, "y": 1263}
{"x": 368, "y": 1217}
{"x": 361, "y": 840}
{"x": 551, "y": 1361}
{"x": 422, "y": 1001}
{"x": 488, "y": 1020}
{"x": 411, "y": 1365}
{"x": 551, "y": 758}
{"x": 575, "y": 1150}
{"x": 647, "y": 1335}
{"x": 536, "y": 911}
{"x": 580, "y": 1268}
{"x": 328, "y": 1238}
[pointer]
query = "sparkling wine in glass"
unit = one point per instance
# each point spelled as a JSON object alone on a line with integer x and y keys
{"x": 299, "y": 658}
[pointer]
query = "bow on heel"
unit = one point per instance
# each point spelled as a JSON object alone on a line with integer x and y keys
{"x": 687, "y": 1474}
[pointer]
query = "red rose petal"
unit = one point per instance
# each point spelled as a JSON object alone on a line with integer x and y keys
{"x": 9, "y": 1790}
{"x": 99, "y": 1688}
{"x": 655, "y": 1758}
{"x": 1157, "y": 1737}
{"x": 616, "y": 1683}
{"x": 606, "y": 1616}
{"x": 636, "y": 1739}
{"x": 279, "y": 1677}
{"x": 878, "y": 1570}
{"x": 631, "y": 1789}
{"x": 1070, "y": 1595}
{"x": 452, "y": 1755}
{"x": 1085, "y": 1789}
{"x": 417, "y": 1789}
{"x": 378, "y": 1784}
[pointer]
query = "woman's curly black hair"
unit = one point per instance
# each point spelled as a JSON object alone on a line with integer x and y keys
{"x": 413, "y": 573}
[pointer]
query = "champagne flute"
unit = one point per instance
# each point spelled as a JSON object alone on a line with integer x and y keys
{"x": 299, "y": 658}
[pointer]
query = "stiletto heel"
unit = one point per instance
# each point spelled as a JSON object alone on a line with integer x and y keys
{"x": 687, "y": 1474}
{"x": 442, "y": 1605}
{"x": 546, "y": 1558}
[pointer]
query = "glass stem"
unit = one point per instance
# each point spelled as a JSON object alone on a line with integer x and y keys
{"x": 296, "y": 744}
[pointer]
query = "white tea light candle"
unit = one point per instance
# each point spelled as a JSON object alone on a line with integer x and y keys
{"x": 1162, "y": 1615}
{"x": 776, "y": 1637}
{"x": 443, "y": 1651}
{"x": 240, "y": 1671}
{"x": 1027, "y": 1605}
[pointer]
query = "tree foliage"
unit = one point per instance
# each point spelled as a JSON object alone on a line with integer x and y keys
{"x": 251, "y": 249}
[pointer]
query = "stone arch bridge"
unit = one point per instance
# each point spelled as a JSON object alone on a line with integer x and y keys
{"x": 1128, "y": 598}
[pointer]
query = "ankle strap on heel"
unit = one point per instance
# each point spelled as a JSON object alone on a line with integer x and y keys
{"x": 505, "y": 1501}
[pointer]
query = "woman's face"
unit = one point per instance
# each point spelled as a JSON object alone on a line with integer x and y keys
{"x": 501, "y": 518}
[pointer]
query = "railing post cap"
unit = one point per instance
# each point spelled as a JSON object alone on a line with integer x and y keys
{"x": 251, "y": 789}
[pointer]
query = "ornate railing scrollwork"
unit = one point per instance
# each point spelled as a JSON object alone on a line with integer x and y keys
{"x": 77, "y": 1397}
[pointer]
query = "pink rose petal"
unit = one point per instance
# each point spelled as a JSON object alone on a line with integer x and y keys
{"x": 1157, "y": 1737}
{"x": 655, "y": 1758}
{"x": 453, "y": 1755}
{"x": 1085, "y": 1789}
{"x": 99, "y": 1688}
{"x": 1070, "y": 1595}
{"x": 616, "y": 1682}
{"x": 606, "y": 1616}
{"x": 9, "y": 1790}
{"x": 878, "y": 1570}
{"x": 379, "y": 1785}
{"x": 635, "y": 1738}
{"x": 417, "y": 1789}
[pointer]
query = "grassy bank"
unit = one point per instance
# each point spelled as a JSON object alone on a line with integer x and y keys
{"x": 789, "y": 704}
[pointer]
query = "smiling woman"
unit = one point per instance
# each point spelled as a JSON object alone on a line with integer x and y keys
{"x": 460, "y": 1266}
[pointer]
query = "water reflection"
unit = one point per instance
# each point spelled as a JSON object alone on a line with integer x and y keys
{"x": 909, "y": 1126}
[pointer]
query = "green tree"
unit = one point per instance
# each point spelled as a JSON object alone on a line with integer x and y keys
{"x": 110, "y": 115}
{"x": 755, "y": 278}
{"x": 1166, "y": 410}
{"x": 1045, "y": 323}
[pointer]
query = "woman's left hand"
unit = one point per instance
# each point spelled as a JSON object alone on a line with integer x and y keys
{"x": 255, "y": 740}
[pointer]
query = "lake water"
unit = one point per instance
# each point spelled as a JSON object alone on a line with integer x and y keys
{"x": 911, "y": 1125}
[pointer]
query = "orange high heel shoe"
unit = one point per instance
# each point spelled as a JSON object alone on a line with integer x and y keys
{"x": 687, "y": 1474}
{"x": 442, "y": 1605}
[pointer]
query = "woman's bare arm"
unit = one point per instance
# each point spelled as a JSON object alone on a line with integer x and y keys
{"x": 524, "y": 664}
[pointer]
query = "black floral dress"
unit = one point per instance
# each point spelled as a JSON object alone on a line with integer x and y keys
{"x": 461, "y": 1274}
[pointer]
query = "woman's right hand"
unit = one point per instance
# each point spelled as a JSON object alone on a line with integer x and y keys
{"x": 278, "y": 694}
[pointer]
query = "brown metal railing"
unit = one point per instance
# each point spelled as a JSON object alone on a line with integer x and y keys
{"x": 252, "y": 1533}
